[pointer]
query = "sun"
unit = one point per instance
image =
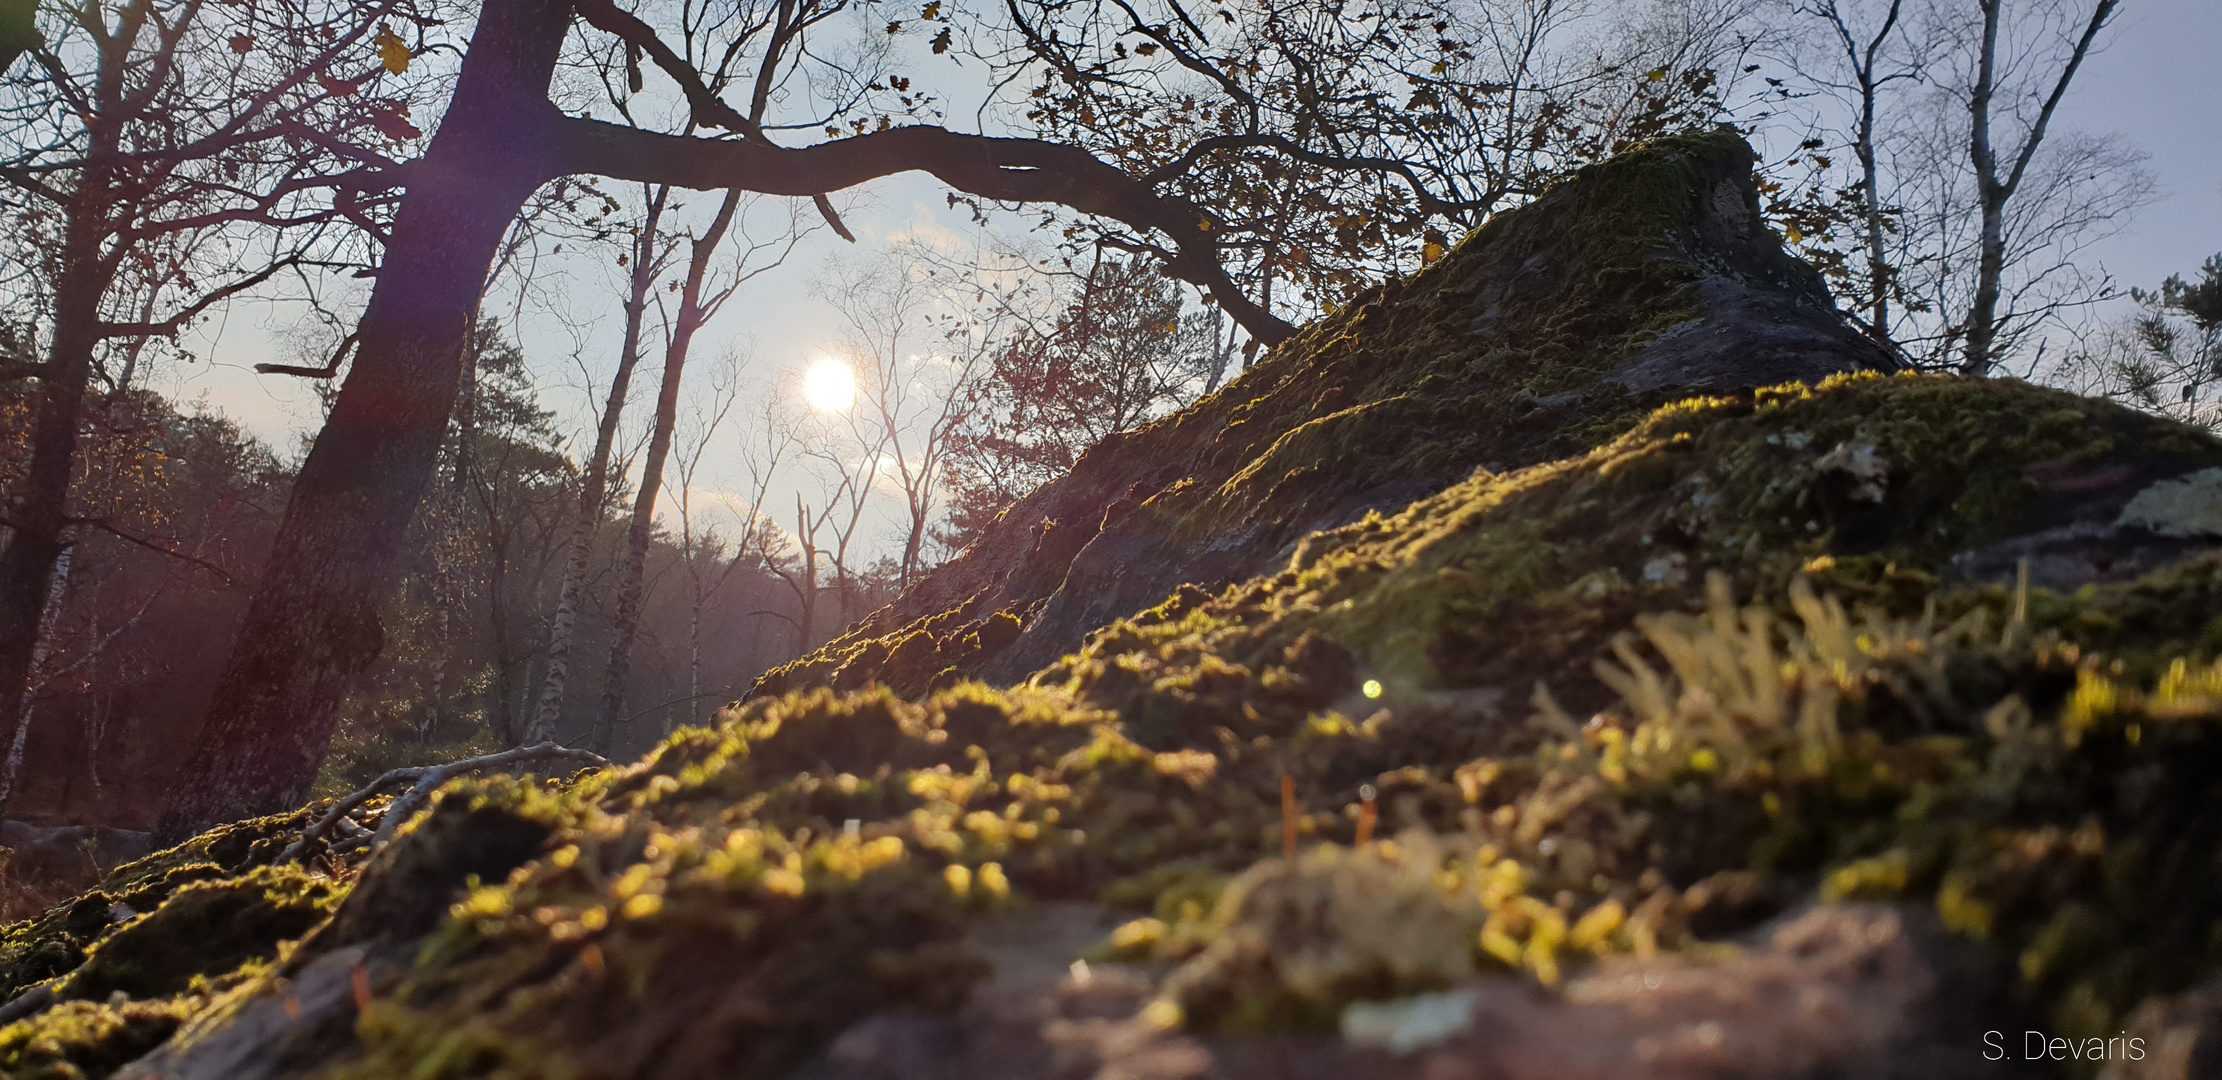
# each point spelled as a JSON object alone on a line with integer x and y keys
{"x": 829, "y": 386}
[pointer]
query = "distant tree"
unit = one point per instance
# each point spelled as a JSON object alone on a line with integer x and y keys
{"x": 700, "y": 294}
{"x": 2168, "y": 356}
{"x": 1860, "y": 56}
{"x": 1121, "y": 352}
{"x": 156, "y": 158}
{"x": 919, "y": 358}
{"x": 645, "y": 257}
{"x": 1936, "y": 191}
{"x": 702, "y": 548}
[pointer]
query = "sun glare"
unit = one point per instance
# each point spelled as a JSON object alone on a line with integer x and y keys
{"x": 829, "y": 386}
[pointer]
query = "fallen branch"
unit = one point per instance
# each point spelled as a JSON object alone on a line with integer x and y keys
{"x": 28, "y": 1002}
{"x": 428, "y": 779}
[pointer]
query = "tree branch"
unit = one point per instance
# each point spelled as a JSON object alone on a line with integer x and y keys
{"x": 708, "y": 108}
{"x": 1429, "y": 202}
{"x": 1006, "y": 170}
{"x": 331, "y": 367}
{"x": 2099, "y": 16}
{"x": 170, "y": 326}
{"x": 428, "y": 779}
{"x": 154, "y": 545}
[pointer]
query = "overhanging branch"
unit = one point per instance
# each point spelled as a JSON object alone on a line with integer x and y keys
{"x": 1005, "y": 170}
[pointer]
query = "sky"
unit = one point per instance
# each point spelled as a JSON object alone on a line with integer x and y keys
{"x": 2152, "y": 84}
{"x": 2155, "y": 85}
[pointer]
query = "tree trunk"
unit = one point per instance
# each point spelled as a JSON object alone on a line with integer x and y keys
{"x": 313, "y": 625}
{"x": 39, "y": 514}
{"x": 50, "y": 614}
{"x": 579, "y": 544}
{"x": 1992, "y": 190}
{"x": 806, "y": 594}
{"x": 1878, "y": 259}
{"x": 630, "y": 575}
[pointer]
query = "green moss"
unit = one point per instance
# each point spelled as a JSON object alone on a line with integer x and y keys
{"x": 38, "y": 949}
{"x": 1502, "y": 353}
{"x": 202, "y": 929}
{"x": 84, "y": 1040}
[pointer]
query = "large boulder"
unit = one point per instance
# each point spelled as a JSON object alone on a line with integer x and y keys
{"x": 1553, "y": 328}
{"x": 1507, "y": 678}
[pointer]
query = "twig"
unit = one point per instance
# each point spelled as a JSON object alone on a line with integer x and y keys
{"x": 155, "y": 545}
{"x": 428, "y": 779}
{"x": 27, "y": 1002}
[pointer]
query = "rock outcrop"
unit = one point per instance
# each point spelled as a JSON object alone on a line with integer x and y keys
{"x": 1553, "y": 328}
{"x": 1581, "y": 660}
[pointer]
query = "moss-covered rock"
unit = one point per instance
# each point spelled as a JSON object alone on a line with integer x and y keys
{"x": 1549, "y": 330}
{"x": 1930, "y": 662}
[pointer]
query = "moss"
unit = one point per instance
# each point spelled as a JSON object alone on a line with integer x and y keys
{"x": 732, "y": 901}
{"x": 38, "y": 949}
{"x": 204, "y": 928}
{"x": 154, "y": 944}
{"x": 84, "y": 1040}
{"x": 1504, "y": 353}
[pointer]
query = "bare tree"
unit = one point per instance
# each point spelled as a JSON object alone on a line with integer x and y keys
{"x": 647, "y": 255}
{"x": 2000, "y": 170}
{"x": 312, "y": 624}
{"x": 920, "y": 355}
{"x": 168, "y": 155}
{"x": 695, "y": 308}
{"x": 1862, "y": 55}
{"x": 699, "y": 298}
{"x": 1941, "y": 196}
{"x": 703, "y": 550}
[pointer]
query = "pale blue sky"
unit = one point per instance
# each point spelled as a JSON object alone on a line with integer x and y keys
{"x": 2157, "y": 86}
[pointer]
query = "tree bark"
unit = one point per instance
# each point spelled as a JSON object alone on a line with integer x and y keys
{"x": 313, "y": 625}
{"x": 1990, "y": 195}
{"x": 691, "y": 314}
{"x": 39, "y": 513}
{"x": 647, "y": 259}
{"x": 48, "y": 617}
{"x": 1993, "y": 191}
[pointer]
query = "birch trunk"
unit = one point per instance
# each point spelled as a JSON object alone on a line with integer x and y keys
{"x": 51, "y": 614}
{"x": 647, "y": 259}
{"x": 630, "y": 574}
